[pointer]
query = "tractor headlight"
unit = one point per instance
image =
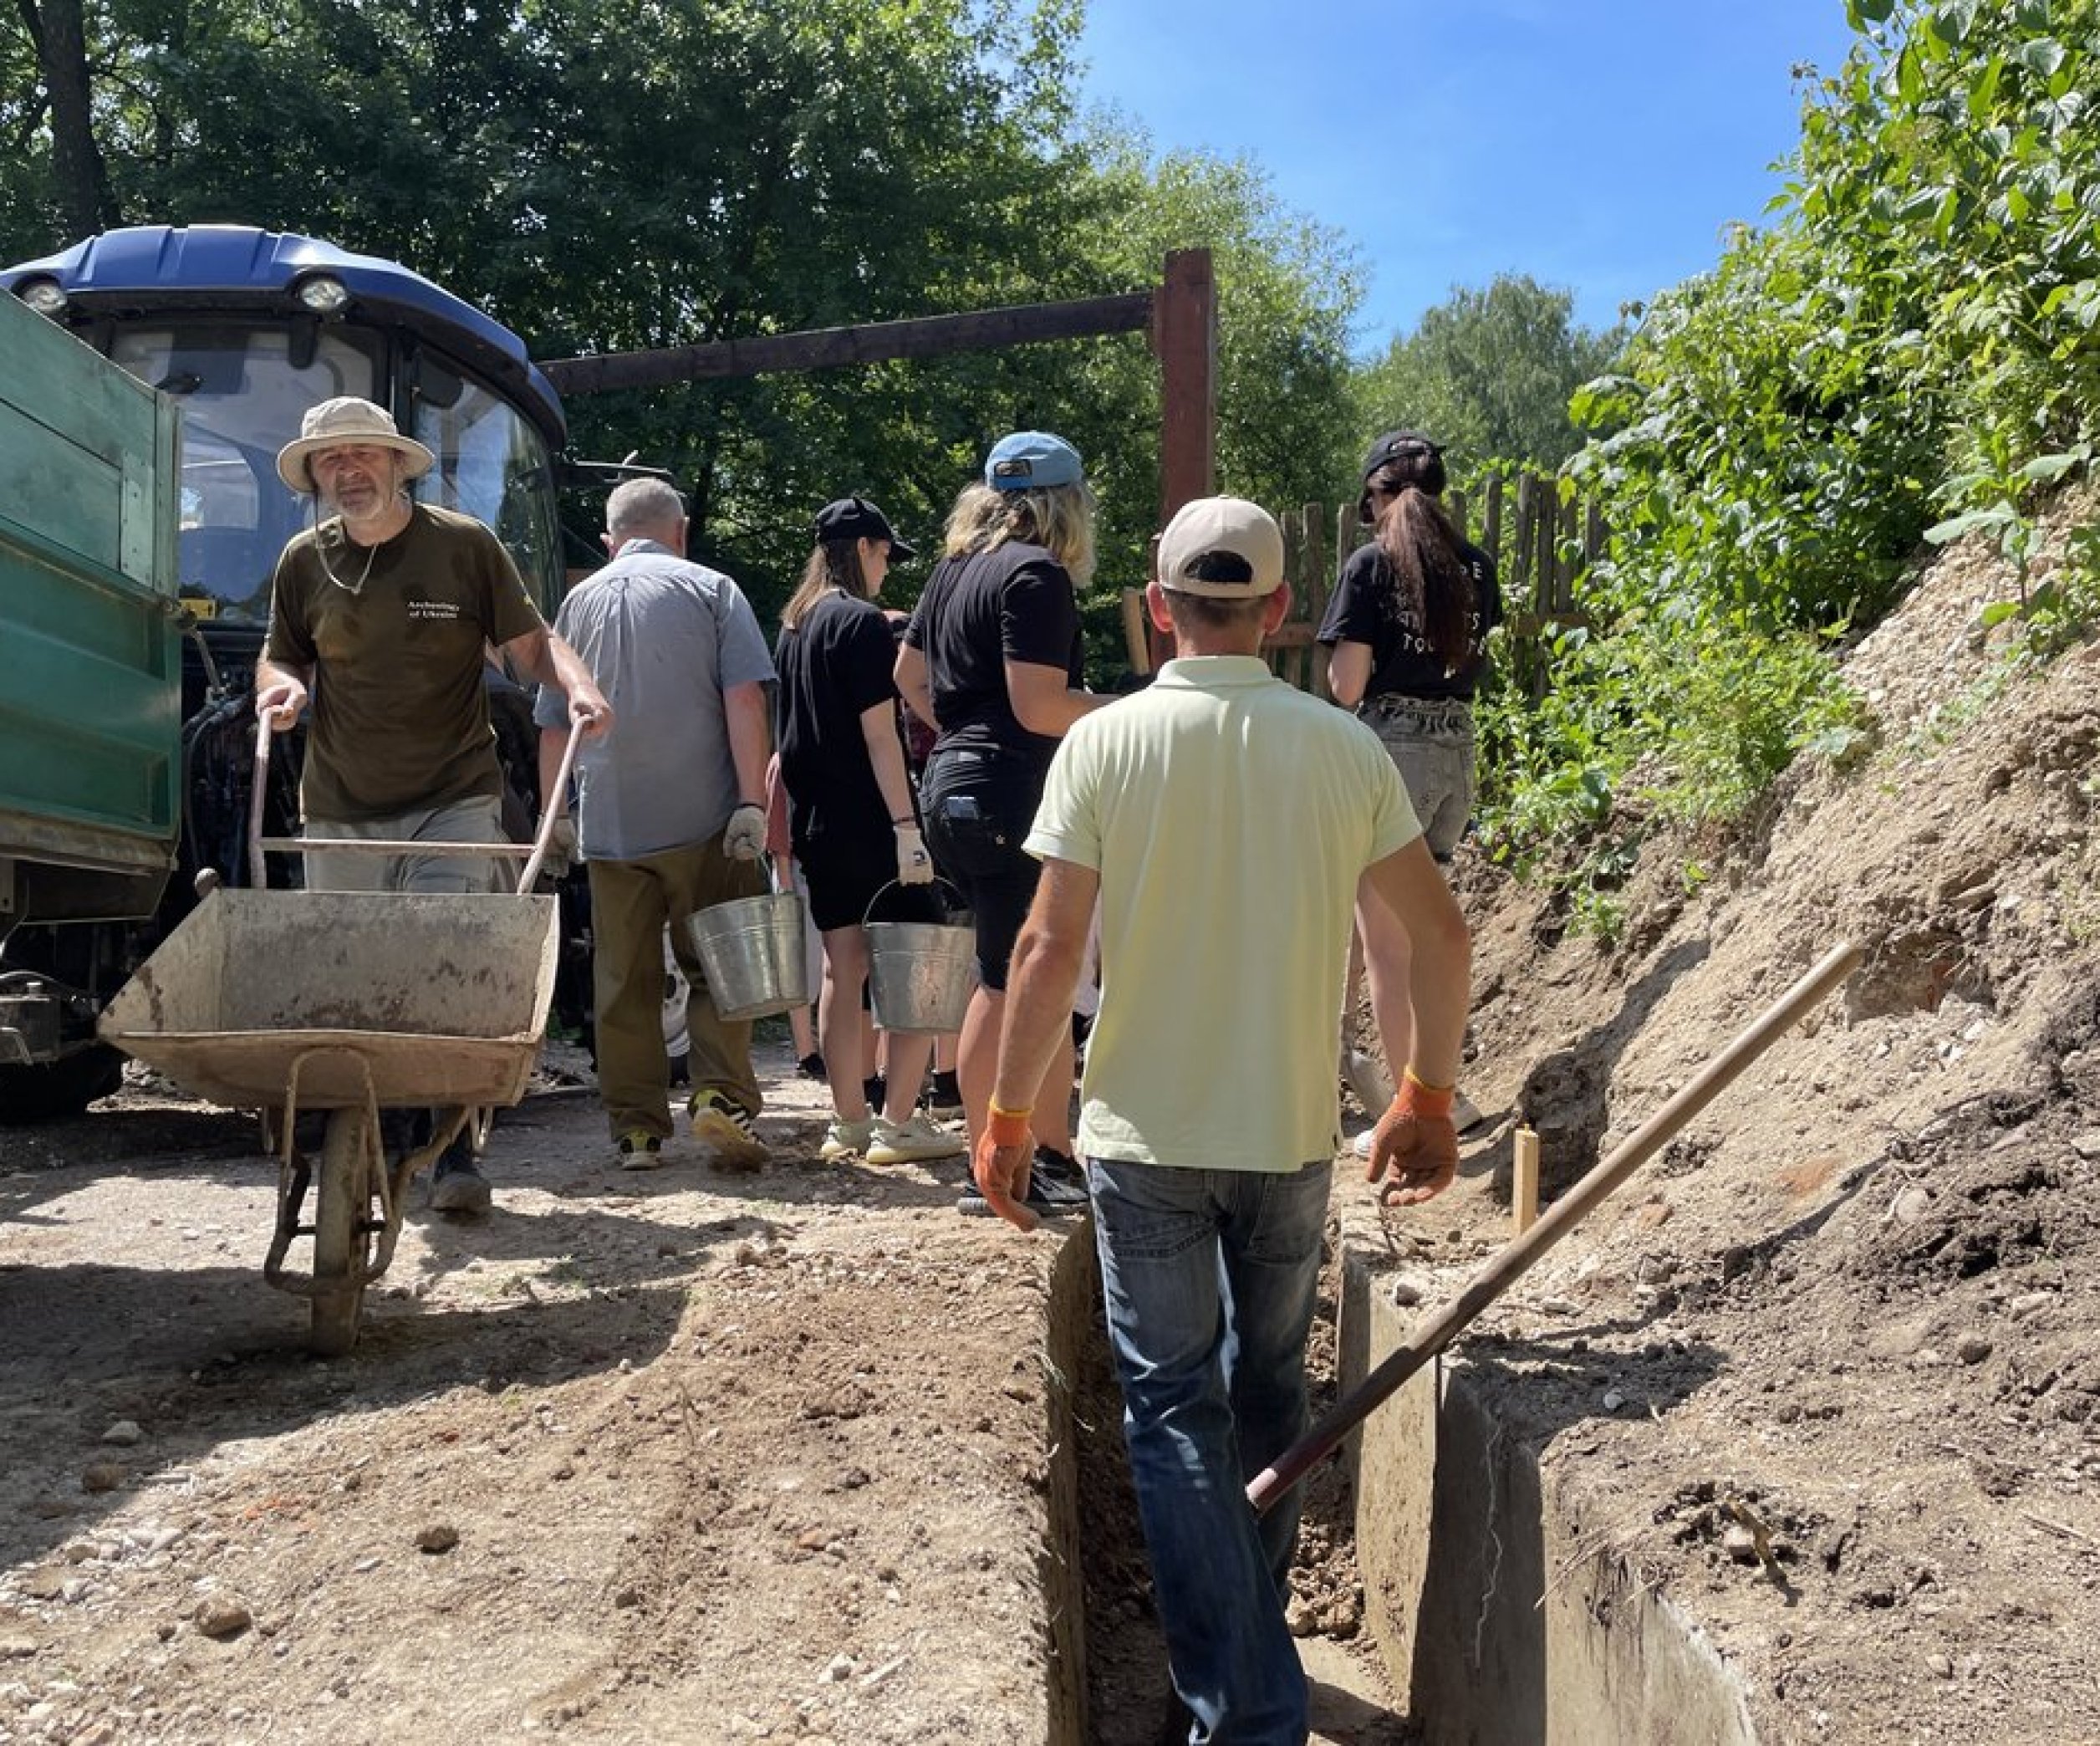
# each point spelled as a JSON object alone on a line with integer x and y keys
{"x": 322, "y": 295}
{"x": 43, "y": 295}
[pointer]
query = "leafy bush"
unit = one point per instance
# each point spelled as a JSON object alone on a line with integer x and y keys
{"x": 1911, "y": 352}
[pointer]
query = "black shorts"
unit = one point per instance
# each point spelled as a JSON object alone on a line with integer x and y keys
{"x": 843, "y": 870}
{"x": 979, "y": 807}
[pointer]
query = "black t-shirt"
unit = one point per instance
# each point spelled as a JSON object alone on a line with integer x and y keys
{"x": 1014, "y": 603}
{"x": 1366, "y": 609}
{"x": 835, "y": 666}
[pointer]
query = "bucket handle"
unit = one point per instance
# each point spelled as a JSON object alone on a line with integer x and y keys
{"x": 951, "y": 910}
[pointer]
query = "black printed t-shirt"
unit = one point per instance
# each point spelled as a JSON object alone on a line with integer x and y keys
{"x": 1366, "y": 609}
{"x": 393, "y": 634}
{"x": 1014, "y": 603}
{"x": 835, "y": 666}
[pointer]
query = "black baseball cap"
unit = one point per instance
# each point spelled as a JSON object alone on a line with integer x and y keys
{"x": 1399, "y": 445}
{"x": 855, "y": 517}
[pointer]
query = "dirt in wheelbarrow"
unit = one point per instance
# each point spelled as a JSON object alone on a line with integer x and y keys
{"x": 672, "y": 1455}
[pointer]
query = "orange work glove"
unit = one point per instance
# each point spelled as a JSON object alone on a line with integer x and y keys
{"x": 1415, "y": 1147}
{"x": 1005, "y": 1149}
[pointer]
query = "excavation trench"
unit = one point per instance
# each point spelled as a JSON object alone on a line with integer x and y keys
{"x": 1494, "y": 1618}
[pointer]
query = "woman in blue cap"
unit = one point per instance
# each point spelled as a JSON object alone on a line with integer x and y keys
{"x": 851, "y": 819}
{"x": 992, "y": 658}
{"x": 1406, "y": 636}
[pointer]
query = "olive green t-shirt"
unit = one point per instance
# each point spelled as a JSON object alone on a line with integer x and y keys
{"x": 400, "y": 718}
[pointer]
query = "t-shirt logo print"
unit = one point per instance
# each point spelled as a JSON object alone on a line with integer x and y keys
{"x": 444, "y": 610}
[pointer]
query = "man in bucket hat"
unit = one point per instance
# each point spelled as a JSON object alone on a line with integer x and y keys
{"x": 379, "y": 614}
{"x": 1226, "y": 824}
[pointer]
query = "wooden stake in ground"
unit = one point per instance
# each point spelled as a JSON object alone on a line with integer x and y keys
{"x": 1518, "y": 1259}
{"x": 1524, "y": 1180}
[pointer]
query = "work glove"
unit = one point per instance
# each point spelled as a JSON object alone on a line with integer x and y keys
{"x": 1415, "y": 1147}
{"x": 1000, "y": 1165}
{"x": 915, "y": 866}
{"x": 561, "y": 849}
{"x": 744, "y": 838}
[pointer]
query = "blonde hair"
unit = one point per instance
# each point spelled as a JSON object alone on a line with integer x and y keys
{"x": 1058, "y": 517}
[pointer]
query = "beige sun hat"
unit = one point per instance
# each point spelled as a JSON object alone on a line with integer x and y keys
{"x": 348, "y": 419}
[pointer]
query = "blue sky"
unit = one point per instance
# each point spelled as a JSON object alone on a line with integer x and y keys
{"x": 1600, "y": 146}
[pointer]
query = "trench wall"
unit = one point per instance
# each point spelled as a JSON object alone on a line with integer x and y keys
{"x": 1072, "y": 1314}
{"x": 1497, "y": 1627}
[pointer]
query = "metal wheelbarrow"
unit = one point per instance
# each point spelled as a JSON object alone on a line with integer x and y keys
{"x": 347, "y": 1002}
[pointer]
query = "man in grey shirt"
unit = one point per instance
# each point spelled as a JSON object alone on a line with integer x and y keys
{"x": 671, "y": 814}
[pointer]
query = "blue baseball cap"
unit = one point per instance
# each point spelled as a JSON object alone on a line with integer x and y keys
{"x": 1030, "y": 459}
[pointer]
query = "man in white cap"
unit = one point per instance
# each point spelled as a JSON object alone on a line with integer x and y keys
{"x": 380, "y": 617}
{"x": 1226, "y": 824}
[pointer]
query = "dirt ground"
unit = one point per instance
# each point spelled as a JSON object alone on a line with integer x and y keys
{"x": 686, "y": 1457}
{"x": 681, "y": 1456}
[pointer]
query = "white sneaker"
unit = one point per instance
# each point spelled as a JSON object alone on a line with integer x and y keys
{"x": 845, "y": 1139}
{"x": 1361, "y": 1145}
{"x": 727, "y": 1130}
{"x": 909, "y": 1141}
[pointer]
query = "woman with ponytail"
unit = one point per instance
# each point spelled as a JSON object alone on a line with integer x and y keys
{"x": 1406, "y": 635}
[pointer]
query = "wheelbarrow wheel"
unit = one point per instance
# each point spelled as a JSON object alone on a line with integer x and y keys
{"x": 343, "y": 1232}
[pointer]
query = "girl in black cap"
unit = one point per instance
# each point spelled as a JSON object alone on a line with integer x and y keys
{"x": 1406, "y": 635}
{"x": 851, "y": 814}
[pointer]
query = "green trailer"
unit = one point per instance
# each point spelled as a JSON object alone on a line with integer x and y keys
{"x": 90, "y": 686}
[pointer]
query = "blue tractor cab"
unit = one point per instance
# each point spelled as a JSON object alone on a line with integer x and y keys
{"x": 248, "y": 328}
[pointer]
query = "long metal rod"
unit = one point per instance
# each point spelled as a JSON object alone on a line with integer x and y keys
{"x": 1431, "y": 1336}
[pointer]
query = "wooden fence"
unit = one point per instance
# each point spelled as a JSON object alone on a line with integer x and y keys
{"x": 1542, "y": 548}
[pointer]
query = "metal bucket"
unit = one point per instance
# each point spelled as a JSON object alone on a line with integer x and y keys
{"x": 920, "y": 973}
{"x": 751, "y": 949}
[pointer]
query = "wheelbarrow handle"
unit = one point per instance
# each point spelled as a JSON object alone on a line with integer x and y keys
{"x": 550, "y": 808}
{"x": 258, "y": 868}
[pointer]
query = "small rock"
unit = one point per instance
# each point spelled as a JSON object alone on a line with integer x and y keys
{"x": 103, "y": 1476}
{"x": 1939, "y": 1666}
{"x": 125, "y": 1433}
{"x": 1613, "y": 1399}
{"x": 438, "y": 1537}
{"x": 1740, "y": 1544}
{"x": 2030, "y": 1304}
{"x": 17, "y": 1648}
{"x": 1927, "y": 1358}
{"x": 1404, "y": 1293}
{"x": 1913, "y": 1204}
{"x": 1973, "y": 1350}
{"x": 221, "y": 1619}
{"x": 841, "y": 1668}
{"x": 2086, "y": 1145}
{"x": 1559, "y": 1306}
{"x": 1651, "y": 1214}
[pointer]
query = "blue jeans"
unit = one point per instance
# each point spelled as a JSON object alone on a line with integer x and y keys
{"x": 1209, "y": 1278}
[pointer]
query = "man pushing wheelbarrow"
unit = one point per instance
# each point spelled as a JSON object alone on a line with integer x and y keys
{"x": 381, "y": 614}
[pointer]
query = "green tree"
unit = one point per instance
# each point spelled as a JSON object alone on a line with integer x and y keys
{"x": 612, "y": 177}
{"x": 1489, "y": 373}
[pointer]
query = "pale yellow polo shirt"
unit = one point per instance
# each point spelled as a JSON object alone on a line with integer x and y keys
{"x": 1229, "y": 816}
